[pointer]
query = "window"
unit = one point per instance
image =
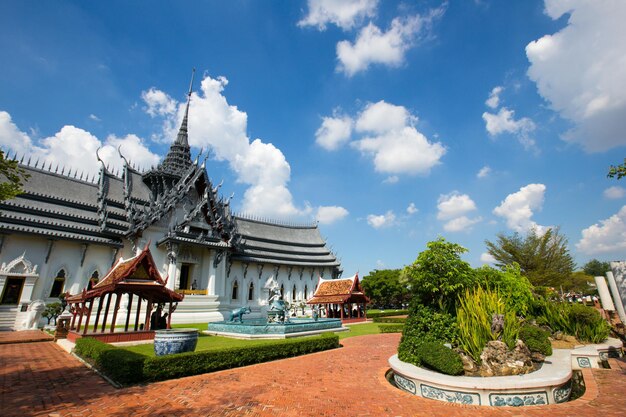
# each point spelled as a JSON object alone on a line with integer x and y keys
{"x": 93, "y": 280}
{"x": 306, "y": 292}
{"x": 293, "y": 293}
{"x": 57, "y": 285}
{"x": 235, "y": 290}
{"x": 251, "y": 292}
{"x": 282, "y": 292}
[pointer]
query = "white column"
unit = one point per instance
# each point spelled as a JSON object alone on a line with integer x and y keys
{"x": 605, "y": 295}
{"x": 616, "y": 296}
{"x": 171, "y": 272}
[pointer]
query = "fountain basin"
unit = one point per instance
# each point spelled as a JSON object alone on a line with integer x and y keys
{"x": 260, "y": 329}
{"x": 172, "y": 341}
{"x": 549, "y": 385}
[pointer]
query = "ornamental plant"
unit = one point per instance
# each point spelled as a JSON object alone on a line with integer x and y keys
{"x": 474, "y": 316}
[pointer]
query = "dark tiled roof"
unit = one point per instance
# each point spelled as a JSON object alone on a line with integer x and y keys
{"x": 281, "y": 244}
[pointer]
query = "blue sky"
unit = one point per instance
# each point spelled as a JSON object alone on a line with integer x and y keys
{"x": 391, "y": 123}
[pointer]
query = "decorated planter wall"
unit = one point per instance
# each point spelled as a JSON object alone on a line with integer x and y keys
{"x": 549, "y": 385}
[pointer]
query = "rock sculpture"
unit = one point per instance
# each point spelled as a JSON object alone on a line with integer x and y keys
{"x": 498, "y": 360}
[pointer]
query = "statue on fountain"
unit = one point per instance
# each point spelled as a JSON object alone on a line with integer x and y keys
{"x": 277, "y": 312}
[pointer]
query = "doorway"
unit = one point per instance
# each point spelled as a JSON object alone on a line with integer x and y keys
{"x": 12, "y": 291}
{"x": 184, "y": 277}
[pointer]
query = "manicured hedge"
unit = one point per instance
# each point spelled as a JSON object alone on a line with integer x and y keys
{"x": 126, "y": 367}
{"x": 176, "y": 366}
{"x": 391, "y": 328}
{"x": 536, "y": 339}
{"x": 374, "y": 314}
{"x": 436, "y": 356}
{"x": 394, "y": 320}
{"x": 122, "y": 366}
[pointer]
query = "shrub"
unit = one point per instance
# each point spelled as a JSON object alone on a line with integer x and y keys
{"x": 474, "y": 316}
{"x": 425, "y": 325}
{"x": 438, "y": 357}
{"x": 193, "y": 363}
{"x": 510, "y": 281}
{"x": 391, "y": 328}
{"x": 585, "y": 323}
{"x": 536, "y": 339}
{"x": 89, "y": 348}
{"x": 122, "y": 365}
{"x": 375, "y": 314}
{"x": 394, "y": 320}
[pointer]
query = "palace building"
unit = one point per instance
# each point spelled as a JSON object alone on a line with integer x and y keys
{"x": 65, "y": 232}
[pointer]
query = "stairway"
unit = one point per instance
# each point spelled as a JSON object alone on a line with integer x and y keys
{"x": 7, "y": 317}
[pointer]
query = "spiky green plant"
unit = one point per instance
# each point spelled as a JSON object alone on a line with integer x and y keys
{"x": 474, "y": 316}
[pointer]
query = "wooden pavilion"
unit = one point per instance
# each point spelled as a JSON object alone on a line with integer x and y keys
{"x": 139, "y": 279}
{"x": 341, "y": 298}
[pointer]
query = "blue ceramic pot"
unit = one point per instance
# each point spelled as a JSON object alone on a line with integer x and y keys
{"x": 171, "y": 341}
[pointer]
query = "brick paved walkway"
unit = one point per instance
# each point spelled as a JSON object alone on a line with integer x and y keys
{"x": 42, "y": 379}
{"x": 25, "y": 336}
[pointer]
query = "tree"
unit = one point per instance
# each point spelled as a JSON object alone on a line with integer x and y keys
{"x": 596, "y": 268}
{"x": 384, "y": 288}
{"x": 11, "y": 177}
{"x": 543, "y": 258}
{"x": 439, "y": 275}
{"x": 510, "y": 282}
{"x": 579, "y": 282}
{"x": 618, "y": 171}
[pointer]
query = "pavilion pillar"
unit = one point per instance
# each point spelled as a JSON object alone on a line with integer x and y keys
{"x": 88, "y": 316}
{"x": 81, "y": 313}
{"x": 95, "y": 325}
{"x": 128, "y": 308}
{"x": 341, "y": 311}
{"x": 74, "y": 313}
{"x": 106, "y": 312}
{"x": 138, "y": 311}
{"x": 117, "y": 307}
{"x": 169, "y": 317}
{"x": 146, "y": 325}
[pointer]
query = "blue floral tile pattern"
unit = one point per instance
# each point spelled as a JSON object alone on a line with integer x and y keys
{"x": 562, "y": 393}
{"x": 518, "y": 400}
{"x": 458, "y": 397}
{"x": 405, "y": 384}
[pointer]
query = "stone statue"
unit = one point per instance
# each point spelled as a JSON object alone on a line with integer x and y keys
{"x": 238, "y": 313}
{"x": 35, "y": 310}
{"x": 497, "y": 325}
{"x": 278, "y": 308}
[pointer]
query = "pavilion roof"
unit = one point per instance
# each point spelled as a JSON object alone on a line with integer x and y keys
{"x": 137, "y": 275}
{"x": 338, "y": 291}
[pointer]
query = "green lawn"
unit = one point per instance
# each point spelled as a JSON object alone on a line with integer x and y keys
{"x": 206, "y": 342}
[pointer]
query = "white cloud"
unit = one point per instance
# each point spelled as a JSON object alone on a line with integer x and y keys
{"x": 459, "y": 224}
{"x": 330, "y": 214}
{"x": 454, "y": 205}
{"x": 484, "y": 172}
{"x": 392, "y": 179}
{"x": 615, "y": 192}
{"x": 396, "y": 146}
{"x": 411, "y": 209}
{"x": 494, "y": 97}
{"x": 334, "y": 132}
{"x": 504, "y": 122}
{"x": 605, "y": 237}
{"x": 94, "y": 118}
{"x": 345, "y": 13}
{"x": 75, "y": 148}
{"x": 581, "y": 70}
{"x": 159, "y": 103}
{"x": 487, "y": 258}
{"x": 453, "y": 208}
{"x": 11, "y": 137}
{"x": 518, "y": 208}
{"x": 373, "y": 46}
{"x": 380, "y": 221}
{"x": 382, "y": 117}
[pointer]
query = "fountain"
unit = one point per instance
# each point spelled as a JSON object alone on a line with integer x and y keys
{"x": 276, "y": 325}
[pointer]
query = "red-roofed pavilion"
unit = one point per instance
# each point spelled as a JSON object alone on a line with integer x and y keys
{"x": 341, "y": 298}
{"x": 136, "y": 277}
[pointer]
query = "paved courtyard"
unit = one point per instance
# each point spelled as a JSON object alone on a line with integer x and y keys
{"x": 39, "y": 378}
